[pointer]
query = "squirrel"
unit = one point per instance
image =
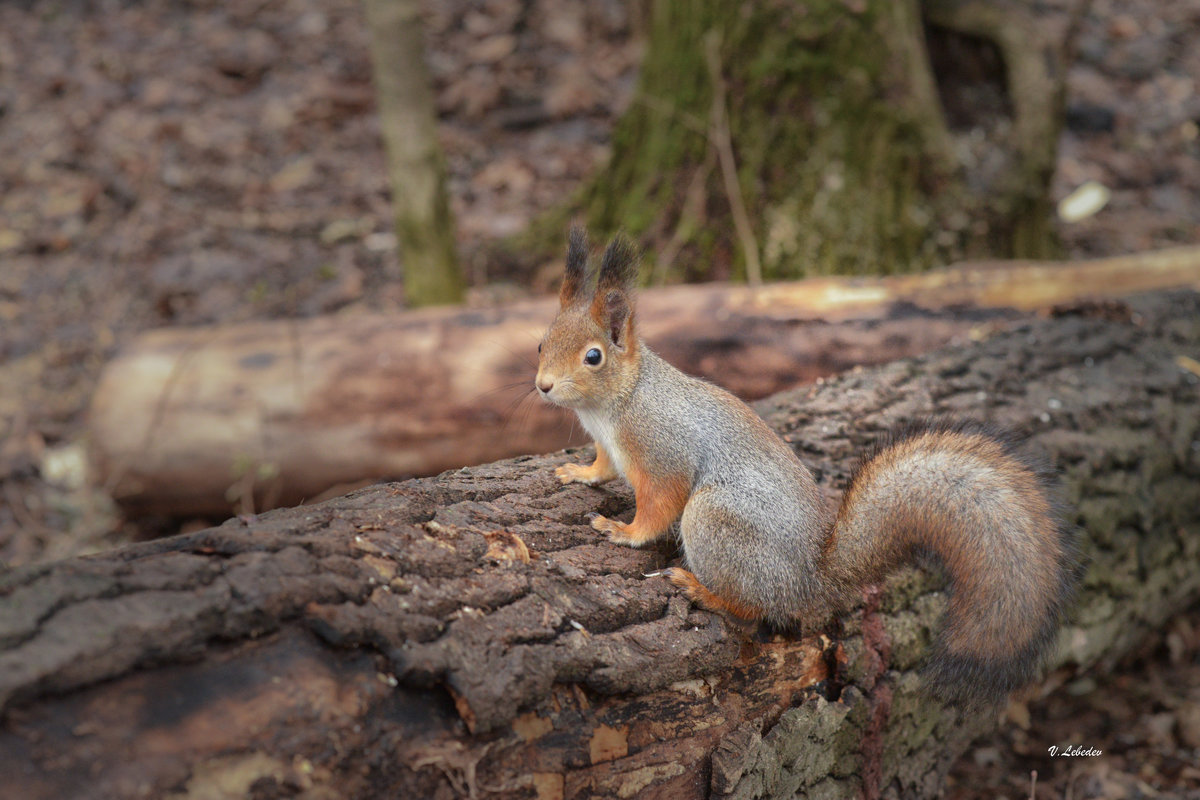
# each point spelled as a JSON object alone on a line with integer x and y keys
{"x": 753, "y": 528}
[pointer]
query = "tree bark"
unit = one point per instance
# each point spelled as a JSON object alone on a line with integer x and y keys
{"x": 205, "y": 421}
{"x": 469, "y": 636}
{"x": 849, "y": 150}
{"x": 408, "y": 122}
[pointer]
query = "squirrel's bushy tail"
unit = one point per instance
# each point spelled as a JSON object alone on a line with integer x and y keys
{"x": 989, "y": 512}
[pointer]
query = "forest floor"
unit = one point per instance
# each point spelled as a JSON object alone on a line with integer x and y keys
{"x": 166, "y": 163}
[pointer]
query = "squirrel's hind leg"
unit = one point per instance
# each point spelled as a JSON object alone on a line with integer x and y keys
{"x": 718, "y": 548}
{"x": 699, "y": 594}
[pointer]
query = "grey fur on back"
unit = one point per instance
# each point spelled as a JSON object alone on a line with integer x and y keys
{"x": 745, "y": 480}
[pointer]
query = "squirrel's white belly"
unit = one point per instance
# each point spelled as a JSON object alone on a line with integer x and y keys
{"x": 601, "y": 429}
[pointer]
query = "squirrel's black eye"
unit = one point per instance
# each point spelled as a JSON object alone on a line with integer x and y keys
{"x": 539, "y": 348}
{"x": 592, "y": 357}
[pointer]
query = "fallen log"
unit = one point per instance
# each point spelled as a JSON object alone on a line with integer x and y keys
{"x": 468, "y": 635}
{"x": 202, "y": 421}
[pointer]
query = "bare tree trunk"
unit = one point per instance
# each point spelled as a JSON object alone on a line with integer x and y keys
{"x": 408, "y": 123}
{"x": 243, "y": 417}
{"x": 470, "y": 636}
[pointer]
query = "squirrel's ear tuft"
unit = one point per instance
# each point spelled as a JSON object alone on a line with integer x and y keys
{"x": 619, "y": 267}
{"x": 617, "y": 317}
{"x": 577, "y": 259}
{"x": 612, "y": 307}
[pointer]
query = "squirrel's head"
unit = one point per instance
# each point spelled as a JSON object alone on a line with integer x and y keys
{"x": 589, "y": 356}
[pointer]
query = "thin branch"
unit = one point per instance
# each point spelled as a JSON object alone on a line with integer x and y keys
{"x": 721, "y": 138}
{"x": 667, "y": 108}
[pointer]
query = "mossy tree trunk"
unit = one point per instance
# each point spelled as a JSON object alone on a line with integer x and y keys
{"x": 853, "y": 153}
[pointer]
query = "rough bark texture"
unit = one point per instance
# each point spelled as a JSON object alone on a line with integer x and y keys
{"x": 468, "y": 635}
{"x": 254, "y": 416}
{"x": 851, "y": 149}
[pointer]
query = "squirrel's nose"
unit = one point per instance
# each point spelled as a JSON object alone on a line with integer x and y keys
{"x": 544, "y": 385}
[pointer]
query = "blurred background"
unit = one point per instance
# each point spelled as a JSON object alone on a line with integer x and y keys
{"x": 181, "y": 164}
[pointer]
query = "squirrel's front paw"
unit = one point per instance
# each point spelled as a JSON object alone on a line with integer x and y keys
{"x": 575, "y": 473}
{"x": 618, "y": 532}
